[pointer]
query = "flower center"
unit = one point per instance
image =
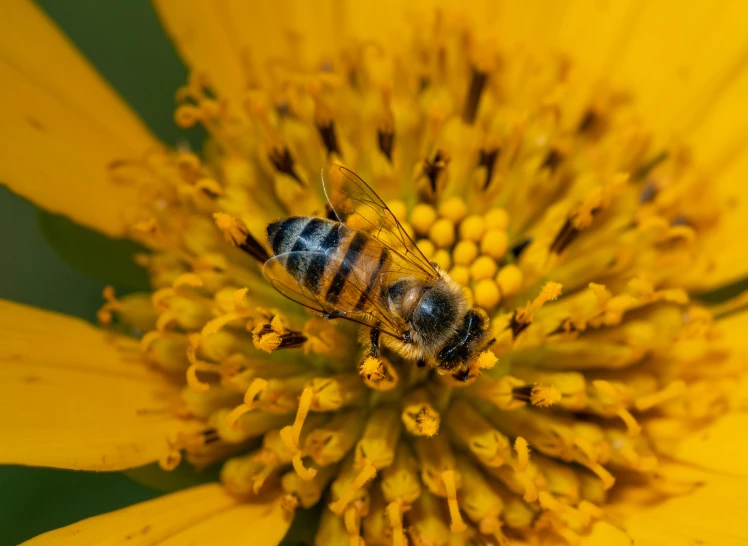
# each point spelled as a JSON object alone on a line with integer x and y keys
{"x": 540, "y": 195}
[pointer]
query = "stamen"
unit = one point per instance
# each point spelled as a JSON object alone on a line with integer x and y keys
{"x": 477, "y": 83}
{"x": 254, "y": 390}
{"x": 523, "y": 453}
{"x": 564, "y": 237}
{"x": 367, "y": 473}
{"x": 386, "y": 141}
{"x": 601, "y": 472}
{"x": 458, "y": 525}
{"x": 673, "y": 390}
{"x": 353, "y": 526}
{"x": 544, "y": 396}
{"x": 292, "y": 434}
{"x": 552, "y": 160}
{"x": 419, "y": 416}
{"x": 268, "y": 339}
{"x": 396, "y": 521}
{"x": 237, "y": 233}
{"x": 389, "y": 380}
{"x": 171, "y": 460}
{"x": 633, "y": 428}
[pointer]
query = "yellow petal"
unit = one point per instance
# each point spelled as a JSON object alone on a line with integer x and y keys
{"x": 200, "y": 515}
{"x": 73, "y": 396}
{"x": 61, "y": 125}
{"x": 712, "y": 513}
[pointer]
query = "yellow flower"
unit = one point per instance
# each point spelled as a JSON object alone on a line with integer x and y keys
{"x": 579, "y": 219}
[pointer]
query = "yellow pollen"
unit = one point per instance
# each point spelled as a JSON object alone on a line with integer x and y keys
{"x": 422, "y": 218}
{"x": 277, "y": 325}
{"x": 458, "y": 525}
{"x": 483, "y": 268}
{"x": 472, "y": 227}
{"x": 673, "y": 390}
{"x": 396, "y": 522}
{"x": 486, "y": 294}
{"x": 496, "y": 219}
{"x": 268, "y": 342}
{"x": 240, "y": 299}
{"x": 494, "y": 243}
{"x": 453, "y": 208}
{"x": 460, "y": 274}
{"x": 544, "y": 396}
{"x": 465, "y": 252}
{"x": 426, "y": 247}
{"x": 442, "y": 258}
{"x": 509, "y": 280}
{"x": 367, "y": 473}
{"x": 486, "y": 360}
{"x": 372, "y": 369}
{"x": 442, "y": 233}
{"x": 255, "y": 388}
{"x": 426, "y": 422}
{"x": 233, "y": 229}
{"x": 549, "y": 292}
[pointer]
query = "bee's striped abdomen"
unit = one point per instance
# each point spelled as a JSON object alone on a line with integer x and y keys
{"x": 337, "y": 264}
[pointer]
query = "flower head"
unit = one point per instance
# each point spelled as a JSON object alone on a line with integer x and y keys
{"x": 576, "y": 232}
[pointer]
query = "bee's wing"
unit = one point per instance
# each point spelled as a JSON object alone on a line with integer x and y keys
{"x": 351, "y": 303}
{"x": 356, "y": 204}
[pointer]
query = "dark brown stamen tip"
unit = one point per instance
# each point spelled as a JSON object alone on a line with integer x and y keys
{"x": 288, "y": 340}
{"x": 432, "y": 168}
{"x": 252, "y": 246}
{"x": 477, "y": 83}
{"x": 523, "y": 393}
{"x": 520, "y": 247}
{"x": 592, "y": 124}
{"x": 284, "y": 163}
{"x": 647, "y": 168}
{"x": 516, "y": 326}
{"x": 423, "y": 83}
{"x": 329, "y": 138}
{"x": 386, "y": 141}
{"x": 487, "y": 159}
{"x": 564, "y": 237}
{"x": 552, "y": 160}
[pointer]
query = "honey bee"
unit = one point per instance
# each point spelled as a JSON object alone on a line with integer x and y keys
{"x": 365, "y": 268}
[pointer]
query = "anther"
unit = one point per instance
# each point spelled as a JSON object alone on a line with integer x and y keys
{"x": 386, "y": 141}
{"x": 237, "y": 233}
{"x": 520, "y": 247}
{"x": 433, "y": 168}
{"x": 649, "y": 166}
{"x": 552, "y": 160}
{"x": 477, "y": 83}
{"x": 487, "y": 159}
{"x": 284, "y": 163}
{"x": 564, "y": 237}
{"x": 268, "y": 339}
{"x": 633, "y": 428}
{"x": 329, "y": 137}
{"x": 458, "y": 525}
{"x": 544, "y": 396}
{"x": 371, "y": 368}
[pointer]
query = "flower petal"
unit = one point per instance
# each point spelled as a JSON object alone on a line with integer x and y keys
{"x": 712, "y": 513}
{"x": 61, "y": 125}
{"x": 201, "y": 515}
{"x": 76, "y": 397}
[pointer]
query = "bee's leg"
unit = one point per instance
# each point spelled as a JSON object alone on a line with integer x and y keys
{"x": 374, "y": 339}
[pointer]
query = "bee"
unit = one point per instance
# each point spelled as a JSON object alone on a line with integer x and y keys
{"x": 362, "y": 266}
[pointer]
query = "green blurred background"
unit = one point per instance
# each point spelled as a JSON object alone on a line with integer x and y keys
{"x": 125, "y": 42}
